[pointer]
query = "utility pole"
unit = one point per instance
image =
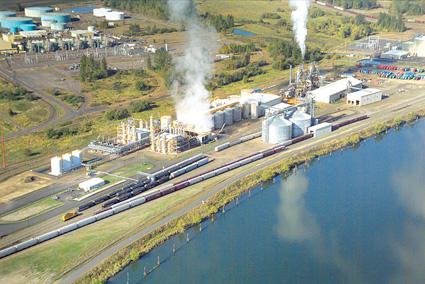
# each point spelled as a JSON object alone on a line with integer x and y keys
{"x": 3, "y": 149}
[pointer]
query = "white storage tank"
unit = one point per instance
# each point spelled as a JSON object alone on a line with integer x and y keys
{"x": 218, "y": 119}
{"x": 101, "y": 12}
{"x": 237, "y": 114}
{"x": 228, "y": 116}
{"x": 276, "y": 130}
{"x": 56, "y": 166}
{"x": 91, "y": 29}
{"x": 114, "y": 16}
{"x": 246, "y": 110}
{"x": 301, "y": 122}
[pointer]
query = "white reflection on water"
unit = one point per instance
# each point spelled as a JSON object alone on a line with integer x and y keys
{"x": 409, "y": 184}
{"x": 296, "y": 224}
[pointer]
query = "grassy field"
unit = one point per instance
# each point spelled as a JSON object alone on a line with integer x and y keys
{"x": 32, "y": 209}
{"x": 52, "y": 259}
{"x": 133, "y": 169}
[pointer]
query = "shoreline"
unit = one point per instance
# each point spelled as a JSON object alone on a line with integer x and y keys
{"x": 116, "y": 262}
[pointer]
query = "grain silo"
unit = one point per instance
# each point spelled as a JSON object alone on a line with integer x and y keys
{"x": 301, "y": 122}
{"x": 228, "y": 116}
{"x": 37, "y": 12}
{"x": 276, "y": 129}
{"x": 255, "y": 110}
{"x": 246, "y": 110}
{"x": 237, "y": 113}
{"x": 218, "y": 119}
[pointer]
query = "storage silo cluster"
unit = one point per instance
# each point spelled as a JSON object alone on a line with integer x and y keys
{"x": 65, "y": 163}
{"x": 37, "y": 12}
{"x": 13, "y": 24}
{"x": 109, "y": 14}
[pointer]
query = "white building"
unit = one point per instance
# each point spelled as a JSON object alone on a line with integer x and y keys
{"x": 321, "y": 129}
{"x": 364, "y": 97}
{"x": 56, "y": 166}
{"x": 91, "y": 184}
{"x": 395, "y": 54}
{"x": 334, "y": 91}
{"x": 277, "y": 108}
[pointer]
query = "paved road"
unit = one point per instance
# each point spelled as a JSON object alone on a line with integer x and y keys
{"x": 383, "y": 114}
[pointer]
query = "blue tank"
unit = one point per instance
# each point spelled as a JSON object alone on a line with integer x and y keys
{"x": 56, "y": 17}
{"x": 28, "y": 27}
{"x": 14, "y": 22}
{"x": 4, "y": 14}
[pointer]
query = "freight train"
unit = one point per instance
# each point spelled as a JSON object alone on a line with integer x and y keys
{"x": 157, "y": 193}
{"x": 143, "y": 185}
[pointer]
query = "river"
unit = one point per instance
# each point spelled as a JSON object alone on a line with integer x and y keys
{"x": 357, "y": 216}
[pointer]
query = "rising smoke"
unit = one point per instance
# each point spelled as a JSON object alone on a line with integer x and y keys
{"x": 299, "y": 19}
{"x": 194, "y": 67}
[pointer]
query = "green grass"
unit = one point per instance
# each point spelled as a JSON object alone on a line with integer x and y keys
{"x": 133, "y": 169}
{"x": 33, "y": 209}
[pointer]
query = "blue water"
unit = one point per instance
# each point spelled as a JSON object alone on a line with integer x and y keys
{"x": 242, "y": 32}
{"x": 82, "y": 9}
{"x": 357, "y": 216}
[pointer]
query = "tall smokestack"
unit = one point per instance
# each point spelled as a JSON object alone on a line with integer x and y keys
{"x": 299, "y": 19}
{"x": 194, "y": 67}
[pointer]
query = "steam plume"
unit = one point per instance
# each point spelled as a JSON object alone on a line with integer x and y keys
{"x": 299, "y": 20}
{"x": 194, "y": 67}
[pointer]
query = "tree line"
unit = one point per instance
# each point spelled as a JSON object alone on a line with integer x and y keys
{"x": 92, "y": 69}
{"x": 219, "y": 22}
{"x": 356, "y": 4}
{"x": 391, "y": 23}
{"x": 154, "y": 8}
{"x": 409, "y": 7}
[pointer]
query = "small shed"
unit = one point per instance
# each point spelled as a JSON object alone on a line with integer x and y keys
{"x": 91, "y": 184}
{"x": 321, "y": 129}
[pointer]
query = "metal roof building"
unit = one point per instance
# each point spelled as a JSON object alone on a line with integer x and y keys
{"x": 334, "y": 91}
{"x": 91, "y": 184}
{"x": 395, "y": 54}
{"x": 364, "y": 97}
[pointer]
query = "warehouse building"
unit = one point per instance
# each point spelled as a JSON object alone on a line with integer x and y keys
{"x": 334, "y": 91}
{"x": 91, "y": 184}
{"x": 395, "y": 54}
{"x": 364, "y": 97}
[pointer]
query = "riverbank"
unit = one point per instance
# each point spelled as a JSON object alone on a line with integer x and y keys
{"x": 116, "y": 262}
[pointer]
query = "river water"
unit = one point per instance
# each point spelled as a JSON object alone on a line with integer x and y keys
{"x": 357, "y": 216}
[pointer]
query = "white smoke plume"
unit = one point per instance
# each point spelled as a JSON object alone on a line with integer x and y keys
{"x": 194, "y": 67}
{"x": 299, "y": 19}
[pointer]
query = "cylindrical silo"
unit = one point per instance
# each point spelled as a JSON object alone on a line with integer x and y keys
{"x": 14, "y": 22}
{"x": 254, "y": 108}
{"x": 301, "y": 122}
{"x": 276, "y": 130}
{"x": 246, "y": 110}
{"x": 237, "y": 114}
{"x": 36, "y": 12}
{"x": 228, "y": 116}
{"x": 218, "y": 119}
{"x": 56, "y": 17}
{"x": 4, "y": 14}
{"x": 28, "y": 27}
